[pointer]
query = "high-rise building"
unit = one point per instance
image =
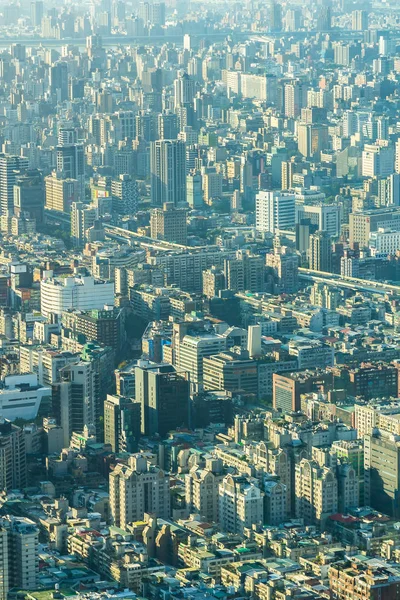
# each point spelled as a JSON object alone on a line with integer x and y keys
{"x": 21, "y": 554}
{"x": 320, "y": 252}
{"x": 122, "y": 418}
{"x": 377, "y": 161}
{"x": 167, "y": 126}
{"x": 58, "y": 80}
{"x": 241, "y": 504}
{"x": 125, "y": 195}
{"x": 163, "y": 394}
{"x": 12, "y": 457}
{"x": 71, "y": 163}
{"x": 169, "y": 224}
{"x": 138, "y": 488}
{"x": 104, "y": 326}
{"x": 212, "y": 184}
{"x": 201, "y": 489}
{"x": 275, "y": 15}
{"x": 231, "y": 372}
{"x": 194, "y": 190}
{"x": 326, "y": 217}
{"x": 82, "y": 218}
{"x": 312, "y": 139}
{"x": 9, "y": 168}
{"x": 275, "y": 211}
{"x": 76, "y": 398}
{"x": 36, "y": 12}
{"x": 60, "y": 193}
{"x": 359, "y": 20}
{"x": 4, "y": 558}
{"x": 83, "y": 293}
{"x": 168, "y": 172}
{"x": 213, "y": 282}
{"x": 191, "y": 343}
{"x": 382, "y": 472}
{"x": 29, "y": 195}
{"x": 184, "y": 90}
{"x": 316, "y": 492}
{"x": 285, "y": 268}
{"x": 361, "y": 224}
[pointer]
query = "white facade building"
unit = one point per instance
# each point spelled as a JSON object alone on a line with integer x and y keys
{"x": 241, "y": 504}
{"x": 274, "y": 211}
{"x": 385, "y": 241}
{"x": 21, "y": 396}
{"x": 58, "y": 294}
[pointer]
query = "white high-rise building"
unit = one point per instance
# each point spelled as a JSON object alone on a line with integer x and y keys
{"x": 138, "y": 488}
{"x": 58, "y": 294}
{"x": 241, "y": 504}
{"x": 275, "y": 211}
{"x": 377, "y": 161}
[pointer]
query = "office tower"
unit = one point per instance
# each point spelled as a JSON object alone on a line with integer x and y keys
{"x": 194, "y": 190}
{"x": 125, "y": 195}
{"x": 169, "y": 224}
{"x": 377, "y": 161}
{"x": 326, "y": 217}
{"x": 67, "y": 136}
{"x": 285, "y": 268}
{"x": 59, "y": 294}
{"x": 275, "y": 15}
{"x": 359, "y": 20}
{"x": 241, "y": 504}
{"x": 76, "y": 398}
{"x": 316, "y": 492}
{"x": 82, "y": 217}
{"x": 312, "y": 139}
{"x": 320, "y": 252}
{"x": 324, "y": 19}
{"x": 362, "y": 224}
{"x": 231, "y": 372}
{"x": 138, "y": 488}
{"x": 36, "y": 13}
{"x": 295, "y": 98}
{"x": 201, "y": 489}
{"x": 29, "y": 195}
{"x": 275, "y": 211}
{"x": 167, "y": 126}
{"x": 58, "y": 80}
{"x": 71, "y": 163}
{"x": 9, "y": 168}
{"x": 287, "y": 172}
{"x": 164, "y": 396}
{"x": 184, "y": 90}
{"x": 122, "y": 423}
{"x": 382, "y": 472}
{"x": 22, "y": 554}
{"x": 212, "y": 184}
{"x": 12, "y": 457}
{"x": 152, "y": 13}
{"x": 287, "y": 390}
{"x": 213, "y": 282}
{"x": 60, "y": 193}
{"x": 167, "y": 172}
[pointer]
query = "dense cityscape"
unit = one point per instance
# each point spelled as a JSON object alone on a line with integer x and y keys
{"x": 200, "y": 300}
